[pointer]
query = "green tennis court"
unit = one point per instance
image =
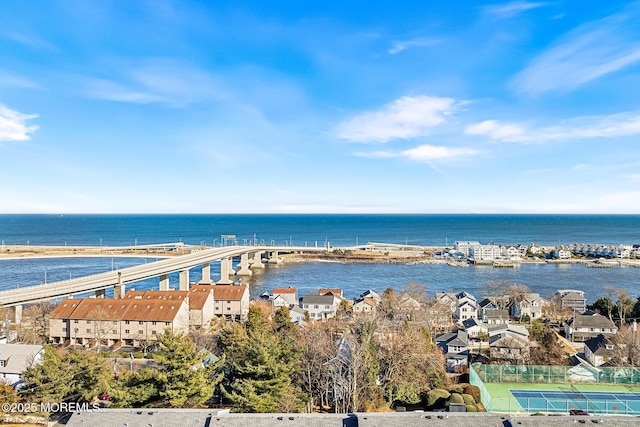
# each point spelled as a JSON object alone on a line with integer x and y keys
{"x": 593, "y": 398}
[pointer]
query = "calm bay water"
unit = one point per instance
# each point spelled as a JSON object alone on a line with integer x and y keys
{"x": 339, "y": 230}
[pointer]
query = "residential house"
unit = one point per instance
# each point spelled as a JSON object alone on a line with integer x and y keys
{"x": 455, "y": 347}
{"x": 509, "y": 343}
{"x": 371, "y": 294}
{"x": 474, "y": 328}
{"x": 496, "y": 317}
{"x": 107, "y": 321}
{"x": 290, "y": 295}
{"x": 467, "y": 309}
{"x": 333, "y": 291}
{"x": 529, "y": 304}
{"x": 15, "y": 358}
{"x": 447, "y": 298}
{"x": 365, "y": 305}
{"x": 231, "y": 301}
{"x": 588, "y": 325}
{"x": 562, "y": 252}
{"x": 297, "y": 315}
{"x": 599, "y": 350}
{"x": 320, "y": 307}
{"x": 439, "y": 316}
{"x": 509, "y": 347}
{"x": 406, "y": 307}
{"x": 572, "y": 299}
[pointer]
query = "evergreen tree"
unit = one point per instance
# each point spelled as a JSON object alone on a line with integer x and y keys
{"x": 75, "y": 374}
{"x": 182, "y": 381}
{"x": 260, "y": 365}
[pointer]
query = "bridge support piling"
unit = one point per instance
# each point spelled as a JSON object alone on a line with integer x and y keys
{"x": 225, "y": 272}
{"x": 119, "y": 290}
{"x": 101, "y": 293}
{"x": 243, "y": 267}
{"x": 184, "y": 280}
{"x": 17, "y": 314}
{"x": 206, "y": 274}
{"x": 273, "y": 258}
{"x": 164, "y": 282}
{"x": 256, "y": 262}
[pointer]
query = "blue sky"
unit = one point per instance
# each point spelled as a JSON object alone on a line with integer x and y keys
{"x": 297, "y": 107}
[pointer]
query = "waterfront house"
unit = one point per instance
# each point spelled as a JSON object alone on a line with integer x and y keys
{"x": 572, "y": 299}
{"x": 599, "y": 350}
{"x": 371, "y": 294}
{"x": 290, "y": 295}
{"x": 485, "y": 252}
{"x": 365, "y": 305}
{"x": 333, "y": 291}
{"x": 588, "y": 325}
{"x": 297, "y": 315}
{"x": 455, "y": 347}
{"x": 231, "y": 301}
{"x": 320, "y": 307}
{"x": 15, "y": 358}
{"x": 529, "y": 304}
{"x": 562, "y": 252}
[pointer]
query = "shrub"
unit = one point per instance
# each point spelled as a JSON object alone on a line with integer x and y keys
{"x": 473, "y": 391}
{"x": 468, "y": 399}
{"x": 472, "y": 408}
{"x": 437, "y": 398}
{"x": 456, "y": 398}
{"x": 457, "y": 389}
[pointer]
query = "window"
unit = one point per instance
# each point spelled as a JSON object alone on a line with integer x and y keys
{"x": 114, "y": 331}
{"x": 2, "y": 363}
{"x": 64, "y": 329}
{"x": 154, "y": 323}
{"x": 127, "y": 331}
{"x": 88, "y": 322}
{"x": 153, "y": 332}
{"x": 140, "y": 323}
{"x": 126, "y": 322}
{"x": 115, "y": 322}
{"x": 76, "y": 321}
{"x": 88, "y": 330}
{"x": 327, "y": 306}
{"x": 228, "y": 308}
{"x": 316, "y": 306}
{"x": 140, "y": 331}
{"x": 167, "y": 323}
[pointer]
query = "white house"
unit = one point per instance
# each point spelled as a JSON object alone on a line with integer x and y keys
{"x": 15, "y": 358}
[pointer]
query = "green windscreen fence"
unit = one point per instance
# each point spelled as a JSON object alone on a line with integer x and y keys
{"x": 537, "y": 374}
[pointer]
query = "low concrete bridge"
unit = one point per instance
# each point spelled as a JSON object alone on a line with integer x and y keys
{"x": 250, "y": 258}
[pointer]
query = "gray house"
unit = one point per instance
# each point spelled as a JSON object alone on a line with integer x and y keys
{"x": 455, "y": 347}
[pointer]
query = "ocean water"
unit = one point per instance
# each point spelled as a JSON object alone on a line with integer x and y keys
{"x": 339, "y": 230}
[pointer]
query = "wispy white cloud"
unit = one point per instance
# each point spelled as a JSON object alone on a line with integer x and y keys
{"x": 163, "y": 82}
{"x": 509, "y": 10}
{"x": 12, "y": 80}
{"x": 400, "y": 46}
{"x": 13, "y": 125}
{"x": 31, "y": 41}
{"x": 611, "y": 126}
{"x": 405, "y": 118}
{"x": 590, "y": 51}
{"x": 425, "y": 153}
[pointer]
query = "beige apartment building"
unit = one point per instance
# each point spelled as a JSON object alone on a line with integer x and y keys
{"x": 129, "y": 321}
{"x": 231, "y": 301}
